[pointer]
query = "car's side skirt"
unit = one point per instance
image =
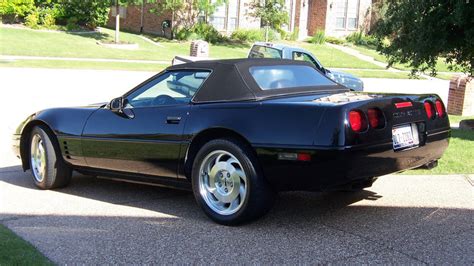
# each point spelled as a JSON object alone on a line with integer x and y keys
{"x": 182, "y": 184}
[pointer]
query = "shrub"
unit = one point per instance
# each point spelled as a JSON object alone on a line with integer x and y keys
{"x": 47, "y": 17}
{"x": 32, "y": 20}
{"x": 16, "y": 9}
{"x": 294, "y": 34}
{"x": 91, "y": 13}
{"x": 182, "y": 34}
{"x": 355, "y": 37}
{"x": 207, "y": 32}
{"x": 200, "y": 31}
{"x": 273, "y": 35}
{"x": 48, "y": 20}
{"x": 72, "y": 24}
{"x": 334, "y": 40}
{"x": 318, "y": 38}
{"x": 248, "y": 35}
{"x": 283, "y": 34}
{"x": 359, "y": 38}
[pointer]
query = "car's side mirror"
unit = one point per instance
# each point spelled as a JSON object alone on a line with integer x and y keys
{"x": 116, "y": 105}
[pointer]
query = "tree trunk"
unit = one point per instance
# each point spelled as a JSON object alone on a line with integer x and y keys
{"x": 117, "y": 22}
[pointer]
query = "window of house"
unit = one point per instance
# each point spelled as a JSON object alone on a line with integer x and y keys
{"x": 225, "y": 16}
{"x": 233, "y": 14}
{"x": 346, "y": 13}
{"x": 217, "y": 20}
{"x": 352, "y": 12}
{"x": 340, "y": 6}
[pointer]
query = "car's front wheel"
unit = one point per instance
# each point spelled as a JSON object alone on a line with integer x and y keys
{"x": 48, "y": 168}
{"x": 228, "y": 184}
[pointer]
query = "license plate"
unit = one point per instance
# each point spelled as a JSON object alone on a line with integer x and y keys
{"x": 405, "y": 136}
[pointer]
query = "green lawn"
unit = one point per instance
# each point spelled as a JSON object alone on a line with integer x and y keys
{"x": 458, "y": 118}
{"x": 445, "y": 76}
{"x": 16, "y": 251}
{"x": 83, "y": 65}
{"x": 459, "y": 157}
{"x": 334, "y": 58}
{"x": 441, "y": 65}
{"x": 63, "y": 44}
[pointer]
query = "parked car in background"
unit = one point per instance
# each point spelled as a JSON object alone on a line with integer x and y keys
{"x": 282, "y": 51}
{"x": 236, "y": 132}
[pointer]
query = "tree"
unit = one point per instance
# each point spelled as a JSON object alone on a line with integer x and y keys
{"x": 271, "y": 12}
{"x": 185, "y": 13}
{"x": 418, "y": 32}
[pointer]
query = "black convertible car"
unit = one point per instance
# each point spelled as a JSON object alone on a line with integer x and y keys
{"x": 236, "y": 132}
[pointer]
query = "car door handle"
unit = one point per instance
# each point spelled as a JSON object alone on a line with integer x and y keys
{"x": 173, "y": 119}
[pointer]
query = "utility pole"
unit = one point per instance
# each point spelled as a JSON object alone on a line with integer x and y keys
{"x": 117, "y": 21}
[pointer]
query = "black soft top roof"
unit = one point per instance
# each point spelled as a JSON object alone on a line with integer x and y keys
{"x": 230, "y": 80}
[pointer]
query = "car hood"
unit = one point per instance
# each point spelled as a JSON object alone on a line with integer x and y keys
{"x": 346, "y": 79}
{"x": 94, "y": 105}
{"x": 62, "y": 120}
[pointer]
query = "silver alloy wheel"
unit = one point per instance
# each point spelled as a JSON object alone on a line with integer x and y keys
{"x": 38, "y": 158}
{"x": 222, "y": 182}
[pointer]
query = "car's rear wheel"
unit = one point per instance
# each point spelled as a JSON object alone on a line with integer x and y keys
{"x": 48, "y": 168}
{"x": 228, "y": 184}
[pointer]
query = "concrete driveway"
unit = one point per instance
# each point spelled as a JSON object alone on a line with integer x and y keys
{"x": 401, "y": 219}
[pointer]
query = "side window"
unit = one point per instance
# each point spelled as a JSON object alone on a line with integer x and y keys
{"x": 258, "y": 51}
{"x": 306, "y": 57}
{"x": 174, "y": 87}
{"x": 300, "y": 56}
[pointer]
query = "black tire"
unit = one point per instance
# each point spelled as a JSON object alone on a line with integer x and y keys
{"x": 56, "y": 173}
{"x": 259, "y": 196}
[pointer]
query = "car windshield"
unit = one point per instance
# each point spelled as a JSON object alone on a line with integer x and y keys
{"x": 288, "y": 76}
{"x": 259, "y": 51}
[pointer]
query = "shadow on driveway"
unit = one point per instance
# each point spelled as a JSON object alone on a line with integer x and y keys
{"x": 302, "y": 227}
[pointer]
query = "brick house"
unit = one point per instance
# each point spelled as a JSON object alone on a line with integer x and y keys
{"x": 337, "y": 18}
{"x": 226, "y": 18}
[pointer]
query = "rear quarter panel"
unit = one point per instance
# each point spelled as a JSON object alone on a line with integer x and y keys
{"x": 261, "y": 123}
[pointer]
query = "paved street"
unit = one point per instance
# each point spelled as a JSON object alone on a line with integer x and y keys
{"x": 401, "y": 219}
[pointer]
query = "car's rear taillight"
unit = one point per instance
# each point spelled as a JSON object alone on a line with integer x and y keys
{"x": 439, "y": 108}
{"x": 357, "y": 121}
{"x": 376, "y": 118}
{"x": 430, "y": 112}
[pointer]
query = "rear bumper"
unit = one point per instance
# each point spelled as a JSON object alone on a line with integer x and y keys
{"x": 335, "y": 167}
